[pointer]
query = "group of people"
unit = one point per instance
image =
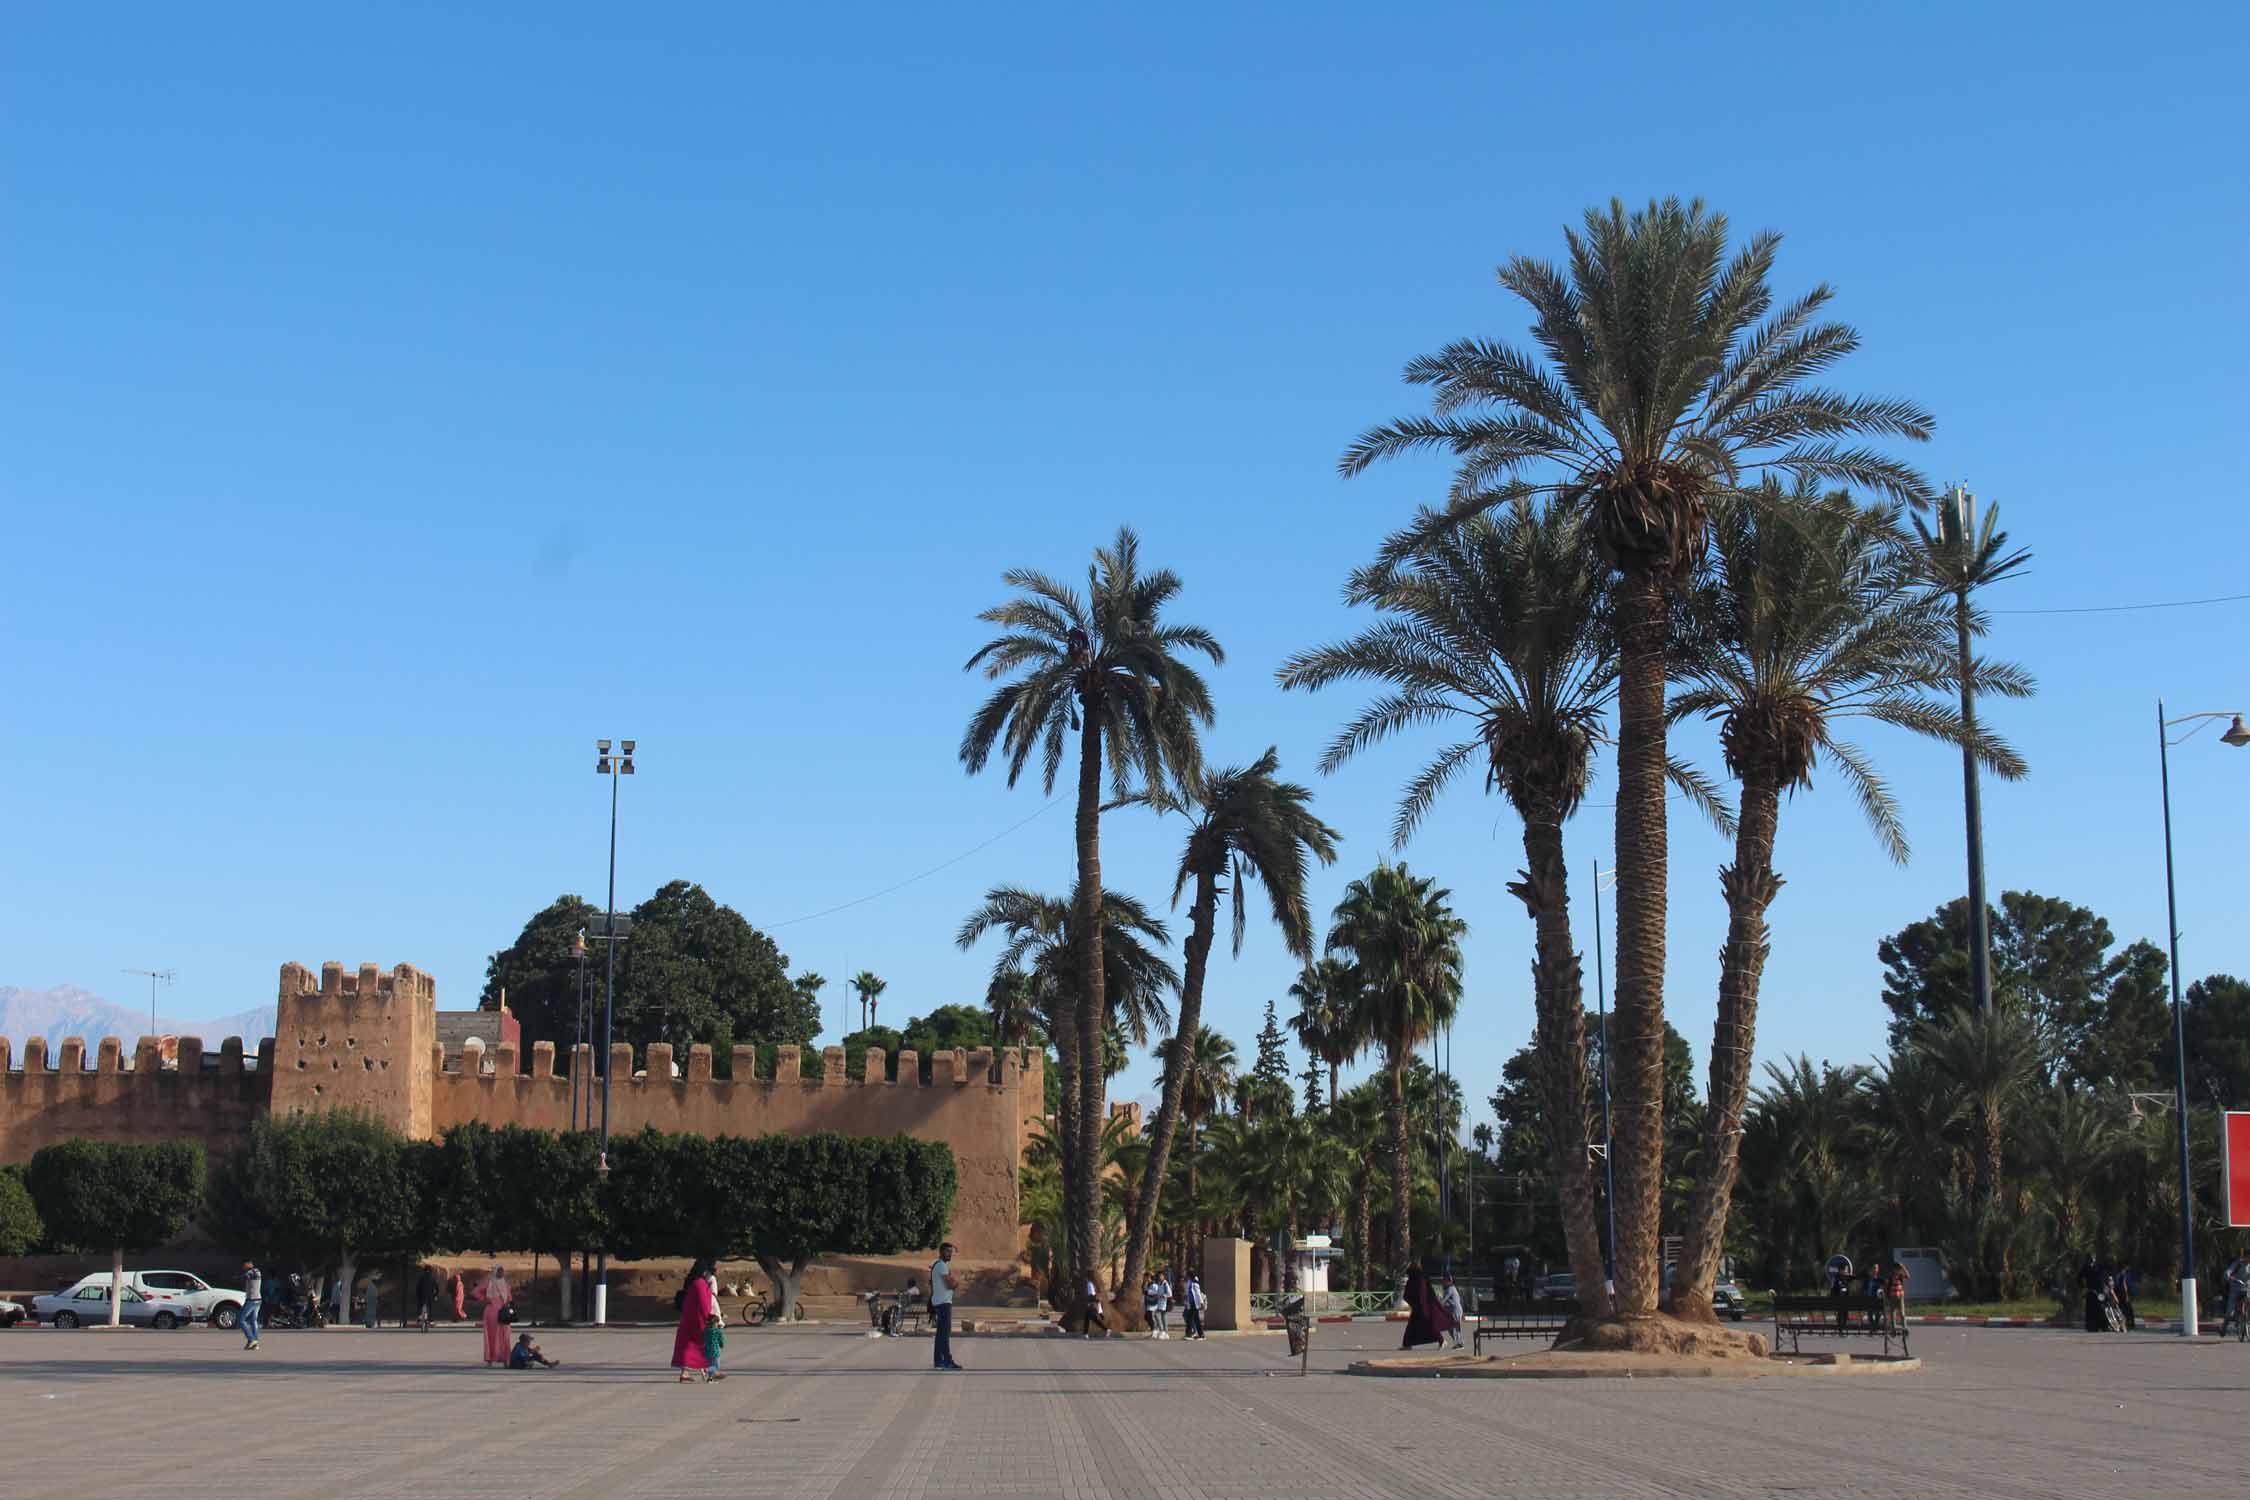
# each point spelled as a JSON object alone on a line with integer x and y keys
{"x": 1433, "y": 1315}
{"x": 1157, "y": 1298}
{"x": 497, "y": 1316}
{"x": 1882, "y": 1286}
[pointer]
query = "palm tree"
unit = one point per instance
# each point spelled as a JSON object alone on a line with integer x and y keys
{"x": 1040, "y": 933}
{"x": 1248, "y": 826}
{"x": 1207, "y": 1075}
{"x": 1813, "y": 615}
{"x": 1009, "y": 999}
{"x": 1403, "y": 935}
{"x": 1500, "y": 622}
{"x": 868, "y": 987}
{"x": 1358, "y": 1122}
{"x": 1327, "y": 1018}
{"x": 1818, "y": 1113}
{"x": 1106, "y": 667}
{"x": 1665, "y": 384}
{"x": 1959, "y": 558}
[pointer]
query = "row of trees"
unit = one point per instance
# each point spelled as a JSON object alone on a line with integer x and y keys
{"x": 327, "y": 1192}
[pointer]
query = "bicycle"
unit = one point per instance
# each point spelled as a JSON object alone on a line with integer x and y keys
{"x": 2238, "y": 1321}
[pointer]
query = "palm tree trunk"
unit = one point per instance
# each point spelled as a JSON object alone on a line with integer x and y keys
{"x": 1069, "y": 1296}
{"x": 1194, "y": 1232}
{"x": 1637, "y": 1038}
{"x": 1202, "y": 920}
{"x": 1750, "y": 886}
{"x": 1092, "y": 1004}
{"x": 1558, "y": 996}
{"x": 1363, "y": 1229}
{"x": 1402, "y": 1169}
{"x": 1333, "y": 1069}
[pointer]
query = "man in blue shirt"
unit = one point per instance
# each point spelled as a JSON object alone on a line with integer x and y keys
{"x": 941, "y": 1307}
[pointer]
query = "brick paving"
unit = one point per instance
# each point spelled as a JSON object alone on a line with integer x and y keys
{"x": 2032, "y": 1414}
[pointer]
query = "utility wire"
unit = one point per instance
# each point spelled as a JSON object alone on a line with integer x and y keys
{"x": 926, "y": 874}
{"x": 2111, "y": 609}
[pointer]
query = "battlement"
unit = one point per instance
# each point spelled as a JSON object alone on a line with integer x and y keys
{"x": 1008, "y": 1068}
{"x": 169, "y": 1088}
{"x": 369, "y": 981}
{"x": 356, "y": 1041}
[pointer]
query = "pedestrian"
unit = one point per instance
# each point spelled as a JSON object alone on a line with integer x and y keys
{"x": 2090, "y": 1280}
{"x": 526, "y": 1355}
{"x": 2123, "y": 1282}
{"x": 1894, "y": 1294}
{"x": 1157, "y": 1298}
{"x": 941, "y": 1309}
{"x": 373, "y": 1298}
{"x": 699, "y": 1308}
{"x": 1511, "y": 1278}
{"x": 425, "y": 1296}
{"x": 499, "y": 1299}
{"x": 460, "y": 1290}
{"x": 253, "y": 1302}
{"x": 2237, "y": 1284}
{"x": 1095, "y": 1317}
{"x": 715, "y": 1332}
{"x": 1426, "y": 1321}
{"x": 1191, "y": 1305}
{"x": 1450, "y": 1300}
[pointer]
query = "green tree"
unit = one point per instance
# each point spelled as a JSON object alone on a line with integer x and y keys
{"x": 1813, "y": 615}
{"x": 1669, "y": 378}
{"x": 20, "y": 1230}
{"x": 1106, "y": 667}
{"x": 1271, "y": 1068}
{"x": 1401, "y": 932}
{"x": 114, "y": 1196}
{"x": 1328, "y": 1016}
{"x": 2215, "y": 1020}
{"x": 869, "y": 988}
{"x": 320, "y": 1191}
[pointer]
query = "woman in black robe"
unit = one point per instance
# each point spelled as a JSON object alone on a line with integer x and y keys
{"x": 1426, "y": 1321}
{"x": 2091, "y": 1279}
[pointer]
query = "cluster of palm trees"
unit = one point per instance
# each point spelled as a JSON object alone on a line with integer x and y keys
{"x": 1656, "y": 513}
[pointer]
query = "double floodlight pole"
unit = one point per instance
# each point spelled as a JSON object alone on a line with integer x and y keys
{"x": 612, "y": 765}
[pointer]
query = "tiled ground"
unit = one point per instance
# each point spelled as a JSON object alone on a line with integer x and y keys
{"x": 2032, "y": 1414}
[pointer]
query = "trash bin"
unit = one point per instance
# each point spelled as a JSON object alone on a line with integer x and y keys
{"x": 1299, "y": 1325}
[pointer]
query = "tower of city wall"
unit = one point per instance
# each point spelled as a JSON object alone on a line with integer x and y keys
{"x": 359, "y": 1041}
{"x": 975, "y": 1102}
{"x": 169, "y": 1089}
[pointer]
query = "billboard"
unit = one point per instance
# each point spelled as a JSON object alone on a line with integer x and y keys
{"x": 2234, "y": 1167}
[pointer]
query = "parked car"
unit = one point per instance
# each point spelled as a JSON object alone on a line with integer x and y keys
{"x": 1727, "y": 1300}
{"x": 193, "y": 1297}
{"x": 1562, "y": 1286}
{"x": 76, "y": 1305}
{"x": 11, "y": 1312}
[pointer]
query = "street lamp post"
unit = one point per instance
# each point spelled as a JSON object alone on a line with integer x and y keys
{"x": 2237, "y": 735}
{"x": 612, "y": 766}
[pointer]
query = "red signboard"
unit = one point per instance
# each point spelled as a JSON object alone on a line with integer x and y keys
{"x": 2234, "y": 1159}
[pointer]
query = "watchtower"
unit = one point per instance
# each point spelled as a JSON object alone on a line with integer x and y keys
{"x": 356, "y": 1041}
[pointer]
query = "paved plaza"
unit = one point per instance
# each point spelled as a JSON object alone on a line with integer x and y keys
{"x": 2032, "y": 1414}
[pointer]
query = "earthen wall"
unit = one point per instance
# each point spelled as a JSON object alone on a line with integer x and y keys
{"x": 203, "y": 1096}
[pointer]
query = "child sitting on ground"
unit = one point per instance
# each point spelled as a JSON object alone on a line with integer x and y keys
{"x": 526, "y": 1355}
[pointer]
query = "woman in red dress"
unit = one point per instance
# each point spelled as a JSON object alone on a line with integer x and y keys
{"x": 699, "y": 1306}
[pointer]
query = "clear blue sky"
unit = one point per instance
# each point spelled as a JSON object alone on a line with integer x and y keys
{"x": 392, "y": 406}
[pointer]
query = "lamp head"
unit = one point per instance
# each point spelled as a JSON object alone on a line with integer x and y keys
{"x": 2236, "y": 734}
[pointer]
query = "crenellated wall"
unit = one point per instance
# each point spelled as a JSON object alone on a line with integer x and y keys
{"x": 193, "y": 1095}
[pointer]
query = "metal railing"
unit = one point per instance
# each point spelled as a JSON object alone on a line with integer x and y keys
{"x": 1324, "y": 1304}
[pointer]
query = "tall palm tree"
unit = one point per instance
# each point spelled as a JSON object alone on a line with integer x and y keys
{"x": 1959, "y": 557}
{"x": 1328, "y": 1015}
{"x": 1499, "y": 624}
{"x": 1814, "y": 615}
{"x": 1669, "y": 378}
{"x": 1358, "y": 1121}
{"x": 1207, "y": 1071}
{"x": 868, "y": 988}
{"x": 1401, "y": 931}
{"x": 1107, "y": 667}
{"x": 1248, "y": 825}
{"x": 1041, "y": 944}
{"x": 1010, "y": 1001}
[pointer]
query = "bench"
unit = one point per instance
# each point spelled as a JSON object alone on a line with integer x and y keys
{"x": 1832, "y": 1316}
{"x": 894, "y": 1312}
{"x": 1512, "y": 1319}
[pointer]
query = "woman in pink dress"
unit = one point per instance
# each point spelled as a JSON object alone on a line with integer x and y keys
{"x": 698, "y": 1306}
{"x": 496, "y": 1294}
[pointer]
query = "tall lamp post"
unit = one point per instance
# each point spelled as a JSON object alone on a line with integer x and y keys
{"x": 612, "y": 766}
{"x": 2237, "y": 735}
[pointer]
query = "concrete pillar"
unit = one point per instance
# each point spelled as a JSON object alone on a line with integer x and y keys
{"x": 1226, "y": 1283}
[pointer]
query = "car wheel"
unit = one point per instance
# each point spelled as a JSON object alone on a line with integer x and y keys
{"x": 1737, "y": 1316}
{"x": 225, "y": 1315}
{"x": 11, "y": 1320}
{"x": 166, "y": 1320}
{"x": 66, "y": 1320}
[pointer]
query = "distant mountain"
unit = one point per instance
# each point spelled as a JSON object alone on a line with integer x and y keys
{"x": 69, "y": 1011}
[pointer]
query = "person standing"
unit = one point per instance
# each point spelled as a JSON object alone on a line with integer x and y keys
{"x": 1158, "y": 1298}
{"x": 1894, "y": 1295}
{"x": 941, "y": 1309}
{"x": 699, "y": 1308}
{"x": 1450, "y": 1300}
{"x": 1425, "y": 1319}
{"x": 497, "y": 1294}
{"x": 714, "y": 1332}
{"x": 2090, "y": 1282}
{"x": 2123, "y": 1282}
{"x": 1191, "y": 1305}
{"x": 425, "y": 1296}
{"x": 374, "y": 1298}
{"x": 253, "y": 1303}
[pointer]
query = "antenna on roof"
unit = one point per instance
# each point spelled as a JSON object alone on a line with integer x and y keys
{"x": 152, "y": 976}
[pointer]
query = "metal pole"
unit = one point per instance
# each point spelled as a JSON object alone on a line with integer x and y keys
{"x": 1609, "y": 1175}
{"x": 2188, "y": 1309}
{"x": 609, "y": 1017}
{"x": 1972, "y": 797}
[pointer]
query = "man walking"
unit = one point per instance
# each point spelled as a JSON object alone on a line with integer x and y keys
{"x": 1450, "y": 1299}
{"x": 425, "y": 1297}
{"x": 941, "y": 1308}
{"x": 253, "y": 1302}
{"x": 1191, "y": 1305}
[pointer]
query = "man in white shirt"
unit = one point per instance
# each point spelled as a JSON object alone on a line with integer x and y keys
{"x": 941, "y": 1307}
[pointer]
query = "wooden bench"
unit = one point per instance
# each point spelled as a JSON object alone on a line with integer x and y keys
{"x": 1832, "y": 1316}
{"x": 1512, "y": 1319}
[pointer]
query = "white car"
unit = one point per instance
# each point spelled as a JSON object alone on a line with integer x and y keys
{"x": 195, "y": 1299}
{"x": 11, "y": 1313}
{"x": 82, "y": 1304}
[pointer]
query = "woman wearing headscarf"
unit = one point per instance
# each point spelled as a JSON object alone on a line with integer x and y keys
{"x": 496, "y": 1294}
{"x": 699, "y": 1308}
{"x": 2092, "y": 1282}
{"x": 1426, "y": 1321}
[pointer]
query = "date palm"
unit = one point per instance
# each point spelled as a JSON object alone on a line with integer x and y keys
{"x": 1669, "y": 378}
{"x": 1328, "y": 1016}
{"x": 1401, "y": 931}
{"x": 1815, "y": 614}
{"x": 1208, "y": 1076}
{"x": 868, "y": 987}
{"x": 1106, "y": 667}
{"x": 1248, "y": 826}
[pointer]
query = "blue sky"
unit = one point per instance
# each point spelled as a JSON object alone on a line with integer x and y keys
{"x": 391, "y": 407}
